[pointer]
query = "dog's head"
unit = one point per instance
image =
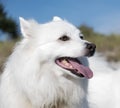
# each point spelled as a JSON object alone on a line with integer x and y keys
{"x": 60, "y": 46}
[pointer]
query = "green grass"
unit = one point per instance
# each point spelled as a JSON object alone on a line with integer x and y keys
{"x": 5, "y": 51}
{"x": 108, "y": 45}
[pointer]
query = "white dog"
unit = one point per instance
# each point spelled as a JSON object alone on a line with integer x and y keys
{"x": 44, "y": 71}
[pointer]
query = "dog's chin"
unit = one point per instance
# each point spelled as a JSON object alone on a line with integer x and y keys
{"x": 75, "y": 66}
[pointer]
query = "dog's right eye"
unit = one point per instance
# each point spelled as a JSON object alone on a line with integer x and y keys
{"x": 64, "y": 38}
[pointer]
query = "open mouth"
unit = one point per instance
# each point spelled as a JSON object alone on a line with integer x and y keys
{"x": 74, "y": 66}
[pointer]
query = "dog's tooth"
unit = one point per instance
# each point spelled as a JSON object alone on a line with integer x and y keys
{"x": 64, "y": 61}
{"x": 67, "y": 64}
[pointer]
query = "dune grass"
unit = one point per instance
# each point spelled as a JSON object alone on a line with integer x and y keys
{"x": 5, "y": 51}
{"x": 108, "y": 45}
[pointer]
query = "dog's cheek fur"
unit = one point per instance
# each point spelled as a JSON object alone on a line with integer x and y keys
{"x": 70, "y": 49}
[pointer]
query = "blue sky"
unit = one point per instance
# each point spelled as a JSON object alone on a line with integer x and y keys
{"x": 102, "y": 15}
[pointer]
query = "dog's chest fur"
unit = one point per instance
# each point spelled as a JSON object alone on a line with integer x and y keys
{"x": 68, "y": 94}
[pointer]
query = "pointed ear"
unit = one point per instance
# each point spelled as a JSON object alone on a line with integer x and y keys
{"x": 25, "y": 27}
{"x": 56, "y": 18}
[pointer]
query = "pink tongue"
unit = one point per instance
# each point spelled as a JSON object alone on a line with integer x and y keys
{"x": 84, "y": 70}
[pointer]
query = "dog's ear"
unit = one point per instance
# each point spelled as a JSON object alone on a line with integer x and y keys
{"x": 56, "y": 18}
{"x": 25, "y": 27}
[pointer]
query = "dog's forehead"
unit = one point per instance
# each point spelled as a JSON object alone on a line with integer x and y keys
{"x": 62, "y": 27}
{"x": 54, "y": 30}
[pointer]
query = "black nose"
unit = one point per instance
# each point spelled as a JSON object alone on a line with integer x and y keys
{"x": 91, "y": 48}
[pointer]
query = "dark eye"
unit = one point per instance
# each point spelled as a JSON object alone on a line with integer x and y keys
{"x": 64, "y": 38}
{"x": 81, "y": 37}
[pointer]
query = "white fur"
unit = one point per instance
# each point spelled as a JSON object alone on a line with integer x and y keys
{"x": 104, "y": 87}
{"x": 31, "y": 78}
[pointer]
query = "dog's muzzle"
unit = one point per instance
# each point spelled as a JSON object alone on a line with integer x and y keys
{"x": 90, "y": 49}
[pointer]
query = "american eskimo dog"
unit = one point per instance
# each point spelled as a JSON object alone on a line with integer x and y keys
{"x": 44, "y": 71}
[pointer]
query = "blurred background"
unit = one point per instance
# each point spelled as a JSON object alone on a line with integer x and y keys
{"x": 99, "y": 21}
